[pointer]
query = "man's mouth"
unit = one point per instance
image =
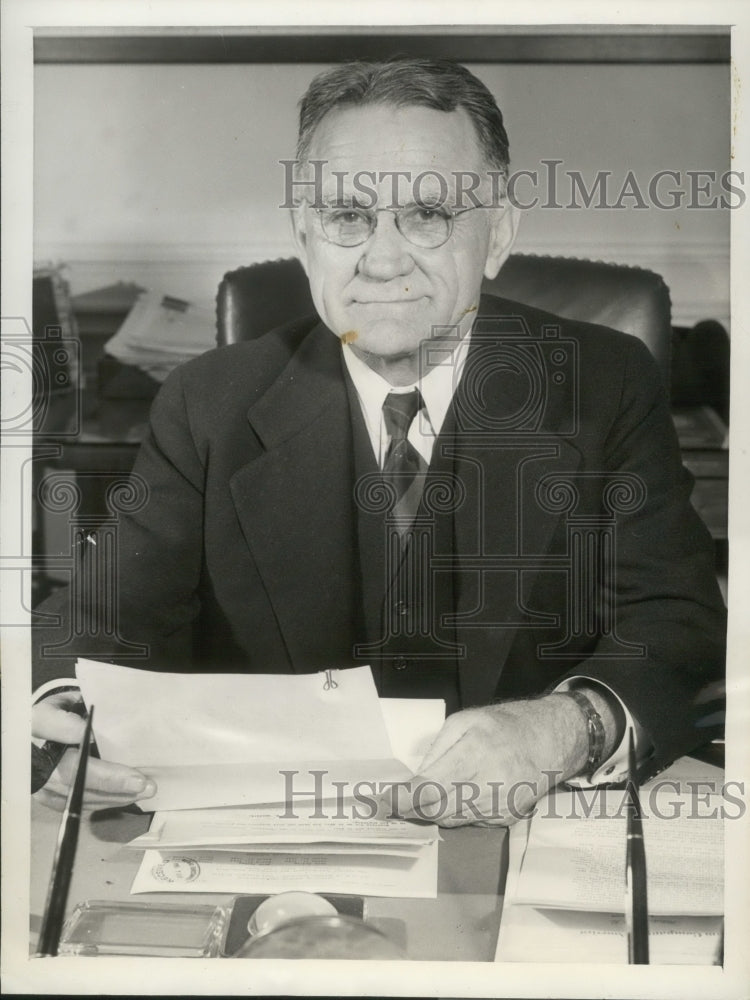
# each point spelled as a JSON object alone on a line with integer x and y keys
{"x": 388, "y": 302}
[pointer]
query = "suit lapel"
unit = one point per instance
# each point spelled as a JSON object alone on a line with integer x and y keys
{"x": 498, "y": 461}
{"x": 295, "y": 504}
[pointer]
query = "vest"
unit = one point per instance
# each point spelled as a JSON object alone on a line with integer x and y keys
{"x": 407, "y": 594}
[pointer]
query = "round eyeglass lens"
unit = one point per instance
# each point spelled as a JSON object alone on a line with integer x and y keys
{"x": 425, "y": 227}
{"x": 346, "y": 226}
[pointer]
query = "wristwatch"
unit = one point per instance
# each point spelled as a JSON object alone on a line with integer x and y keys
{"x": 595, "y": 728}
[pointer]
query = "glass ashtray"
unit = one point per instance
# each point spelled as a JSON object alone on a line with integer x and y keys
{"x": 164, "y": 930}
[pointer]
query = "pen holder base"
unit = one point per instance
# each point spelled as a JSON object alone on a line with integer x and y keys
{"x": 243, "y": 907}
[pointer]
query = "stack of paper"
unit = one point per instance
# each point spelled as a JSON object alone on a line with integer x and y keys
{"x": 302, "y": 759}
{"x": 261, "y": 849}
{"x": 161, "y": 332}
{"x": 565, "y": 892}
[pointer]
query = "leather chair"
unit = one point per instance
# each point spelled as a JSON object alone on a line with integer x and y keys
{"x": 254, "y": 299}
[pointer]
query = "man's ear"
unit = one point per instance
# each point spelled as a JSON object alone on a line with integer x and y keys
{"x": 299, "y": 233}
{"x": 504, "y": 222}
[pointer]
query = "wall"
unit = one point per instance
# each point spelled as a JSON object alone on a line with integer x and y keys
{"x": 169, "y": 175}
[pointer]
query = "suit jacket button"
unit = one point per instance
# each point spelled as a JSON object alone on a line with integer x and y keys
{"x": 400, "y": 663}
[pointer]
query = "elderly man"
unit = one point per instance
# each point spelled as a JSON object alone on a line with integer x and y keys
{"x": 389, "y": 482}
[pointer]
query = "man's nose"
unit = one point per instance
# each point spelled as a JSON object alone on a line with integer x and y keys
{"x": 386, "y": 254}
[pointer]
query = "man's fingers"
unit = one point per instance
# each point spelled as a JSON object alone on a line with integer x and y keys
{"x": 107, "y": 778}
{"x": 107, "y": 784}
{"x": 432, "y": 789}
{"x": 453, "y": 729}
{"x": 459, "y": 761}
{"x": 423, "y": 798}
{"x": 56, "y": 799}
{"x": 427, "y": 791}
{"x": 50, "y": 722}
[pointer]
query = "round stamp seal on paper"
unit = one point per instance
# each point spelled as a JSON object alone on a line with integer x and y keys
{"x": 176, "y": 870}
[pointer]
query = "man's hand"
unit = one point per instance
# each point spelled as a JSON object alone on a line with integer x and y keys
{"x": 490, "y": 765}
{"x": 107, "y": 784}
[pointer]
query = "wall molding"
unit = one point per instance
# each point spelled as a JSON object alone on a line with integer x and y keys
{"x": 197, "y": 251}
{"x": 697, "y": 274}
{"x": 321, "y": 44}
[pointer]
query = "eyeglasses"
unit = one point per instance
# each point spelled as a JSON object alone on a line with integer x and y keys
{"x": 421, "y": 225}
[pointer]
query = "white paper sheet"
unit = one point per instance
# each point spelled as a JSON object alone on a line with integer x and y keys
{"x": 687, "y": 772}
{"x": 580, "y": 863}
{"x": 218, "y": 871}
{"x": 212, "y": 740}
{"x": 218, "y": 785}
{"x": 554, "y": 933}
{"x": 145, "y": 717}
{"x": 385, "y": 850}
{"x": 412, "y": 724}
{"x": 518, "y": 839}
{"x": 533, "y": 934}
{"x": 259, "y": 826}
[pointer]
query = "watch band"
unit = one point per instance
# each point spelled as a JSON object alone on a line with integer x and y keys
{"x": 595, "y": 728}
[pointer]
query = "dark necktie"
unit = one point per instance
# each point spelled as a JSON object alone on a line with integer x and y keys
{"x": 404, "y": 468}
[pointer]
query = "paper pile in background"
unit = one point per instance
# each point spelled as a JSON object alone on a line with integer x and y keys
{"x": 161, "y": 332}
{"x": 565, "y": 891}
{"x": 225, "y": 740}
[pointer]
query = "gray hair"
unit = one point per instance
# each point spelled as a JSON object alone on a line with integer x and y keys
{"x": 406, "y": 82}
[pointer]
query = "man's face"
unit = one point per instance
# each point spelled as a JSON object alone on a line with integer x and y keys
{"x": 386, "y": 295}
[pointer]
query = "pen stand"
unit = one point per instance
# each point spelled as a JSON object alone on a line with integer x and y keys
{"x": 244, "y": 907}
{"x": 332, "y": 937}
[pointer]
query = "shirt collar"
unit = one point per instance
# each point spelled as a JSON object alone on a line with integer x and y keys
{"x": 437, "y": 386}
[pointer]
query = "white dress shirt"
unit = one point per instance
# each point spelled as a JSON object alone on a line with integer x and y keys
{"x": 436, "y": 386}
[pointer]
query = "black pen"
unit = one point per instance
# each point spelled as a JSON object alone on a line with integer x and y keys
{"x": 636, "y": 893}
{"x": 65, "y": 851}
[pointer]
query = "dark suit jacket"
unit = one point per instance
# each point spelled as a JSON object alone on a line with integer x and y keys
{"x": 249, "y": 533}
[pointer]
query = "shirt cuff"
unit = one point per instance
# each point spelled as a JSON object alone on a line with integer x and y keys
{"x": 615, "y": 767}
{"x": 53, "y": 686}
{"x": 57, "y": 684}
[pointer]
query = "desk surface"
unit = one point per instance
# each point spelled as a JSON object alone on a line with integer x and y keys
{"x": 460, "y": 925}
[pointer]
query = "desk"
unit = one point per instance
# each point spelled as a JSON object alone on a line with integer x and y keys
{"x": 460, "y": 925}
